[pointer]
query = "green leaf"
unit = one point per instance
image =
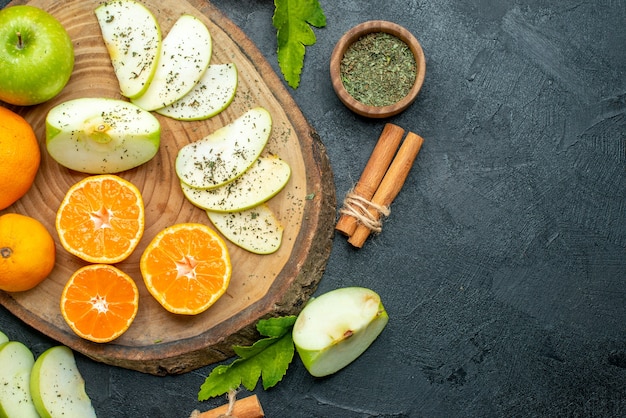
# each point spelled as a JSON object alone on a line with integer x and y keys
{"x": 293, "y": 33}
{"x": 267, "y": 358}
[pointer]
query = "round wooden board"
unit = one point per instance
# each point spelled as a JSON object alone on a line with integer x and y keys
{"x": 159, "y": 342}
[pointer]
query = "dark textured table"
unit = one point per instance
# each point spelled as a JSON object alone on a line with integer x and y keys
{"x": 503, "y": 262}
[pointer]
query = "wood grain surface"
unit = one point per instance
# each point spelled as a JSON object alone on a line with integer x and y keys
{"x": 159, "y": 342}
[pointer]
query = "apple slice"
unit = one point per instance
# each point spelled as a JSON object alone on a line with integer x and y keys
{"x": 98, "y": 135}
{"x": 262, "y": 181}
{"x": 57, "y": 387}
{"x": 183, "y": 60}
{"x": 213, "y": 93}
{"x": 256, "y": 230}
{"x": 132, "y": 36}
{"x": 3, "y": 337}
{"x": 337, "y": 327}
{"x": 225, "y": 154}
{"x": 16, "y": 362}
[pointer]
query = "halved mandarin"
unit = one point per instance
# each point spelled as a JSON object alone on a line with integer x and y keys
{"x": 99, "y": 302}
{"x": 101, "y": 219}
{"x": 186, "y": 268}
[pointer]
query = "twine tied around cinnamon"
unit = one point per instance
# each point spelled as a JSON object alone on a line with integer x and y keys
{"x": 381, "y": 181}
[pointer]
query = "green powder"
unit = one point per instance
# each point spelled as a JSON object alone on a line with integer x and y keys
{"x": 378, "y": 69}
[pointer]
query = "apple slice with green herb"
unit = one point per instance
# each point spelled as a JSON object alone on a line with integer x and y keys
{"x": 213, "y": 93}
{"x": 132, "y": 36}
{"x": 57, "y": 387}
{"x": 337, "y": 327}
{"x": 225, "y": 154}
{"x": 183, "y": 60}
{"x": 100, "y": 135}
{"x": 256, "y": 230}
{"x": 262, "y": 181}
{"x": 16, "y": 363}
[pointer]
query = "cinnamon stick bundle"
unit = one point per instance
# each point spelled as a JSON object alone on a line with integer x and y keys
{"x": 249, "y": 407}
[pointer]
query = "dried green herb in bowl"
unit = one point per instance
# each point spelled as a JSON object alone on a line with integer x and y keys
{"x": 377, "y": 69}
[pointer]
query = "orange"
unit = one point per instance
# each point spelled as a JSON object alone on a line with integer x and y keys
{"x": 186, "y": 268}
{"x": 27, "y": 252}
{"x": 19, "y": 157}
{"x": 101, "y": 219}
{"x": 99, "y": 302}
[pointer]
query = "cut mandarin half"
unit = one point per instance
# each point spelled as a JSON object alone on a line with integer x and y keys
{"x": 186, "y": 268}
{"x": 99, "y": 302}
{"x": 101, "y": 219}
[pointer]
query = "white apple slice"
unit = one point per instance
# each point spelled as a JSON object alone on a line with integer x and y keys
{"x": 262, "y": 181}
{"x": 256, "y": 230}
{"x": 132, "y": 36}
{"x": 57, "y": 387}
{"x": 213, "y": 93}
{"x": 184, "y": 58}
{"x": 16, "y": 363}
{"x": 337, "y": 327}
{"x": 3, "y": 337}
{"x": 225, "y": 154}
{"x": 98, "y": 135}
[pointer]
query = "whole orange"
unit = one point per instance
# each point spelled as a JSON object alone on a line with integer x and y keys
{"x": 27, "y": 252}
{"x": 19, "y": 157}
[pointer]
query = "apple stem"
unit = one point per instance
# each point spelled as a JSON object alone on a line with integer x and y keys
{"x": 20, "y": 42}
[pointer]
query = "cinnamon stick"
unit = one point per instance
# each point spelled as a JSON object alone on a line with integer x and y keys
{"x": 390, "y": 185}
{"x": 249, "y": 407}
{"x": 371, "y": 177}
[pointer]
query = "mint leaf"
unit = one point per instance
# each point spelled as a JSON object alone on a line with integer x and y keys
{"x": 293, "y": 33}
{"x": 267, "y": 358}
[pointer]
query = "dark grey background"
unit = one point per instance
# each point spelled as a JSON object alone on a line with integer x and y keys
{"x": 503, "y": 263}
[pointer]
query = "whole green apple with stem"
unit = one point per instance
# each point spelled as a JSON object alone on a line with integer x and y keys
{"x": 36, "y": 55}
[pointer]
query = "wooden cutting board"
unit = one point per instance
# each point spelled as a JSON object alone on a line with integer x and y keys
{"x": 159, "y": 342}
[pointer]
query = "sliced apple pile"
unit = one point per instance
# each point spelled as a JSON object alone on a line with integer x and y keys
{"x": 171, "y": 75}
{"x": 225, "y": 174}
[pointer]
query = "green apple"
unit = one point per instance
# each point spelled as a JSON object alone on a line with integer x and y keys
{"x": 3, "y": 337}
{"x": 132, "y": 36}
{"x": 101, "y": 135}
{"x": 256, "y": 230}
{"x": 57, "y": 387}
{"x": 225, "y": 154}
{"x": 262, "y": 181}
{"x": 183, "y": 60}
{"x": 213, "y": 93}
{"x": 337, "y": 327}
{"x": 16, "y": 363}
{"x": 36, "y": 56}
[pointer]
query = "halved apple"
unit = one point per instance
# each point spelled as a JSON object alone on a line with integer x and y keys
{"x": 256, "y": 230}
{"x": 15, "y": 399}
{"x": 213, "y": 93}
{"x": 132, "y": 36}
{"x": 225, "y": 154}
{"x": 184, "y": 58}
{"x": 57, "y": 387}
{"x": 262, "y": 181}
{"x": 337, "y": 327}
{"x": 99, "y": 135}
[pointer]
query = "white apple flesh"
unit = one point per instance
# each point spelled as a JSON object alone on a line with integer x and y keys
{"x": 256, "y": 230}
{"x": 36, "y": 55}
{"x": 335, "y": 328}
{"x": 225, "y": 154}
{"x": 16, "y": 363}
{"x": 183, "y": 60}
{"x": 213, "y": 93}
{"x": 262, "y": 181}
{"x": 132, "y": 37}
{"x": 100, "y": 135}
{"x": 57, "y": 387}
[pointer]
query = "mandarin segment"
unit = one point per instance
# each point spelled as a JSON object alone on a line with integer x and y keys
{"x": 101, "y": 219}
{"x": 186, "y": 268}
{"x": 99, "y": 302}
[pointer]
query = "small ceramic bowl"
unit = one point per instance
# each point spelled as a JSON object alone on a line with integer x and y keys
{"x": 353, "y": 35}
